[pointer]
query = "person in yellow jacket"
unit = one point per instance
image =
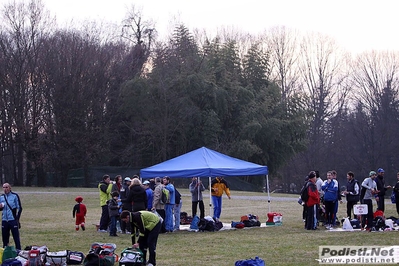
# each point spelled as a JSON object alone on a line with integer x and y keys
{"x": 218, "y": 185}
{"x": 149, "y": 226}
{"x": 105, "y": 188}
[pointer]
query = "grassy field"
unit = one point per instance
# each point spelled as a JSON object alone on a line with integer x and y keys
{"x": 47, "y": 220}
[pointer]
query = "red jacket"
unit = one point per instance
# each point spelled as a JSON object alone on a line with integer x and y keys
{"x": 314, "y": 197}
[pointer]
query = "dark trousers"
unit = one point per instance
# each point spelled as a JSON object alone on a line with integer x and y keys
{"x": 104, "y": 220}
{"x": 381, "y": 203}
{"x": 330, "y": 206}
{"x": 6, "y": 227}
{"x": 368, "y": 218}
{"x": 201, "y": 207}
{"x": 162, "y": 213}
{"x": 311, "y": 217}
{"x": 149, "y": 241}
{"x": 397, "y": 205}
{"x": 112, "y": 227}
{"x": 349, "y": 208}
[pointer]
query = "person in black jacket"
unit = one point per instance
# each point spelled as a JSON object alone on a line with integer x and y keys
{"x": 352, "y": 193}
{"x": 137, "y": 195}
{"x": 124, "y": 193}
{"x": 380, "y": 181}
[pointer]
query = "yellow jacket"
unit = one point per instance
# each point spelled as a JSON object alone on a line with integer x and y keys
{"x": 218, "y": 185}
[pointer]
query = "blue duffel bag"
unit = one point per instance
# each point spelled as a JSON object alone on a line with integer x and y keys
{"x": 251, "y": 262}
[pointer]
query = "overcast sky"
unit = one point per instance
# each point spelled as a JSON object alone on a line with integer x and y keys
{"x": 356, "y": 25}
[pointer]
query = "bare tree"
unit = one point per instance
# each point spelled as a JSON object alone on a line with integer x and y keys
{"x": 322, "y": 80}
{"x": 283, "y": 44}
{"x": 23, "y": 26}
{"x": 376, "y": 81}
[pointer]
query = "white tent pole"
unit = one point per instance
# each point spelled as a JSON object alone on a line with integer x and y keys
{"x": 268, "y": 191}
{"x": 210, "y": 198}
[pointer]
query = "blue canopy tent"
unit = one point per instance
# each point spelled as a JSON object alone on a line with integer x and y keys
{"x": 204, "y": 162}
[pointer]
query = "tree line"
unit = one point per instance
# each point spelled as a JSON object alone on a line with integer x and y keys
{"x": 78, "y": 97}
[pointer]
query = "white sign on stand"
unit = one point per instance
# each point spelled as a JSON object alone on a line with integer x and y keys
{"x": 360, "y": 209}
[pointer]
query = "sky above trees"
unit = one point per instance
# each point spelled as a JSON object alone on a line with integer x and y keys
{"x": 356, "y": 25}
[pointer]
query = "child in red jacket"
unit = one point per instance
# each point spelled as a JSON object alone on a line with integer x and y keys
{"x": 80, "y": 210}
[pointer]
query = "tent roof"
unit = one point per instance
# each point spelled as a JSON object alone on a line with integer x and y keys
{"x": 203, "y": 162}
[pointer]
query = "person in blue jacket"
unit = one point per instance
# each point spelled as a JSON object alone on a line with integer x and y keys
{"x": 10, "y": 204}
{"x": 330, "y": 188}
{"x": 169, "y": 206}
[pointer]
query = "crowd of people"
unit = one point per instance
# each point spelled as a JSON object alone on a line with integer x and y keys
{"x": 138, "y": 207}
{"x": 324, "y": 196}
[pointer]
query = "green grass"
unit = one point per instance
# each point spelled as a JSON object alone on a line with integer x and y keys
{"x": 47, "y": 220}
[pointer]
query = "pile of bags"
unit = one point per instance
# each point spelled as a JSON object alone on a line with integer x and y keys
{"x": 100, "y": 254}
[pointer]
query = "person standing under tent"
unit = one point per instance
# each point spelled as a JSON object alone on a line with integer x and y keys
{"x": 169, "y": 206}
{"x": 177, "y": 210}
{"x": 218, "y": 186}
{"x": 156, "y": 202}
{"x": 196, "y": 187}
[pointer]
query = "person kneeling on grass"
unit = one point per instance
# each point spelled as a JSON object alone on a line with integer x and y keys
{"x": 149, "y": 226}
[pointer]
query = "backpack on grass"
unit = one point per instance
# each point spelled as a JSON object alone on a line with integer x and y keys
{"x": 131, "y": 257}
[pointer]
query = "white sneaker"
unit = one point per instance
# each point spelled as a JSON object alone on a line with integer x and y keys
{"x": 102, "y": 231}
{"x": 150, "y": 264}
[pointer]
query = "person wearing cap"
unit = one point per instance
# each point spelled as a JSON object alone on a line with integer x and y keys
{"x": 149, "y": 192}
{"x": 124, "y": 192}
{"x": 380, "y": 181}
{"x": 79, "y": 211}
{"x": 368, "y": 192}
{"x": 312, "y": 202}
{"x": 396, "y": 191}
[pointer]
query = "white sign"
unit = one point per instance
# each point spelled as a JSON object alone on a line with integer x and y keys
{"x": 360, "y": 209}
